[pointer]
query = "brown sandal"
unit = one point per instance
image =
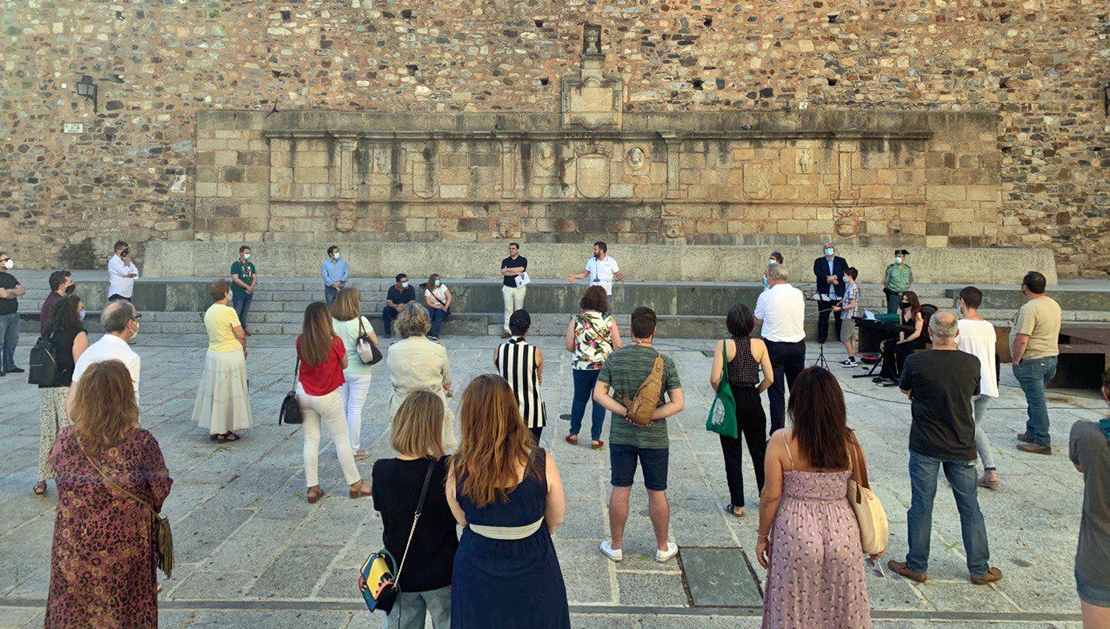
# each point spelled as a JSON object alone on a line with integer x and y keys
{"x": 361, "y": 490}
{"x": 314, "y": 494}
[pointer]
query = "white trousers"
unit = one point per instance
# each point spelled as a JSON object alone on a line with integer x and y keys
{"x": 514, "y": 300}
{"x": 326, "y": 410}
{"x": 354, "y": 396}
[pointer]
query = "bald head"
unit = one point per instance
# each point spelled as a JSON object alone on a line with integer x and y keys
{"x": 116, "y": 316}
{"x": 943, "y": 327}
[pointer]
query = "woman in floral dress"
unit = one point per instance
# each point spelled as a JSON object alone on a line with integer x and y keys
{"x": 102, "y": 564}
{"x": 591, "y": 336}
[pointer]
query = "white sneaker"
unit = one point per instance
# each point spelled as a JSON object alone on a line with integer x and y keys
{"x": 607, "y": 550}
{"x": 665, "y": 556}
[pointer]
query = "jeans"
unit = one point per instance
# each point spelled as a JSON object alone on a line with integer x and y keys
{"x": 354, "y": 392}
{"x": 514, "y": 300}
{"x": 584, "y": 381}
{"x": 982, "y": 442}
{"x": 750, "y": 421}
{"x": 410, "y": 608}
{"x": 327, "y": 410}
{"x": 330, "y": 293}
{"x": 1033, "y": 375}
{"x": 823, "y": 310}
{"x": 961, "y": 476}
{"x": 388, "y": 315}
{"x": 241, "y": 302}
{"x": 787, "y": 360}
{"x": 9, "y": 337}
{"x": 438, "y": 317}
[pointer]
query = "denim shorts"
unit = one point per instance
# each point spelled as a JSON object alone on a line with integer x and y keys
{"x": 623, "y": 458}
{"x": 1091, "y": 593}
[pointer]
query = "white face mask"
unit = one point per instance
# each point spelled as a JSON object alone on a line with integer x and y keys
{"x": 136, "y": 332}
{"x": 8, "y": 264}
{"x": 81, "y": 315}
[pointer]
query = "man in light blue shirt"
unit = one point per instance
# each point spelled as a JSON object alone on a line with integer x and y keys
{"x": 335, "y": 273}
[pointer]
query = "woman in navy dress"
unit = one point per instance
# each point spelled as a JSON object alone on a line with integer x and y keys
{"x": 508, "y": 496}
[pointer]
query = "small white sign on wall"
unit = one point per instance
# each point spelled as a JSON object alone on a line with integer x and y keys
{"x": 73, "y": 127}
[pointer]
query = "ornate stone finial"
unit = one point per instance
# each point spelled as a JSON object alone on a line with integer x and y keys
{"x": 592, "y": 40}
{"x": 592, "y": 100}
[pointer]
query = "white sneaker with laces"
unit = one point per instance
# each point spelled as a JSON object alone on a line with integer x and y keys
{"x": 664, "y": 557}
{"x": 607, "y": 550}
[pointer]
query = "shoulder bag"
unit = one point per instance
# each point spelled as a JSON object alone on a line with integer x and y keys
{"x": 163, "y": 537}
{"x": 291, "y": 411}
{"x": 368, "y": 353}
{"x": 874, "y": 529}
{"x": 376, "y": 578}
{"x": 642, "y": 407}
{"x": 722, "y": 414}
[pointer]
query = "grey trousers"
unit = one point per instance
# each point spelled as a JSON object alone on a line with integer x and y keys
{"x": 410, "y": 609}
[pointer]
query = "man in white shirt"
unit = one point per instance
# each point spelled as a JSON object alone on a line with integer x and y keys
{"x": 601, "y": 269}
{"x": 121, "y": 324}
{"x": 977, "y": 337}
{"x": 121, "y": 273}
{"x": 781, "y": 311}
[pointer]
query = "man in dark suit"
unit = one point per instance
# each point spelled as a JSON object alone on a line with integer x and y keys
{"x": 829, "y": 271}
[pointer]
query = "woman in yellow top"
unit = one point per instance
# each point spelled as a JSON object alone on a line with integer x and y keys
{"x": 223, "y": 402}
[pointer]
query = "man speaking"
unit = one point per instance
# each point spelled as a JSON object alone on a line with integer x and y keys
{"x": 829, "y": 272}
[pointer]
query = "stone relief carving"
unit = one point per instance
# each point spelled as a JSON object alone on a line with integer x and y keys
{"x": 757, "y": 183}
{"x": 636, "y": 159}
{"x": 591, "y": 37}
{"x": 592, "y": 175}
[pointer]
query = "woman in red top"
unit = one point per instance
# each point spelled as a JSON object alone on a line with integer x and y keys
{"x": 322, "y": 359}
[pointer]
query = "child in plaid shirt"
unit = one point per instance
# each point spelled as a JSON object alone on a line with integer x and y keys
{"x": 850, "y": 306}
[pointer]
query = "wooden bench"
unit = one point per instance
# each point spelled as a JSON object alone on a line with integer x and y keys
{"x": 1084, "y": 352}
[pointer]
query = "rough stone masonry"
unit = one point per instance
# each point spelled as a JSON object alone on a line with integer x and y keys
{"x": 135, "y": 170}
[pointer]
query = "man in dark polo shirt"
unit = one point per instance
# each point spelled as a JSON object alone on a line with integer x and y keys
{"x": 940, "y": 384}
{"x": 396, "y": 298}
{"x": 10, "y": 292}
{"x": 513, "y": 275}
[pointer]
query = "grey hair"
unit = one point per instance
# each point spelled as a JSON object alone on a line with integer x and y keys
{"x": 943, "y": 325}
{"x": 413, "y": 321}
{"x": 117, "y": 315}
{"x": 776, "y": 271}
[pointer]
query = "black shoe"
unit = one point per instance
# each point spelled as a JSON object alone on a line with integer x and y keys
{"x": 2, "y": 373}
{"x": 15, "y": 370}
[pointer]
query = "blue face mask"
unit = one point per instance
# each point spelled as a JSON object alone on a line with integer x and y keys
{"x": 335, "y": 255}
{"x": 438, "y": 283}
{"x": 766, "y": 284}
{"x": 898, "y": 260}
{"x": 829, "y": 251}
{"x": 405, "y": 284}
{"x": 246, "y": 256}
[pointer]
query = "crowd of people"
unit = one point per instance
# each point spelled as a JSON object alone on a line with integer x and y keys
{"x": 491, "y": 478}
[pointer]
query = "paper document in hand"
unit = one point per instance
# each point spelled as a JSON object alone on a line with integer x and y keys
{"x": 523, "y": 279}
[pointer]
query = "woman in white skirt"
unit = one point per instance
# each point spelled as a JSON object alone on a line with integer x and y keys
{"x": 223, "y": 402}
{"x": 349, "y": 325}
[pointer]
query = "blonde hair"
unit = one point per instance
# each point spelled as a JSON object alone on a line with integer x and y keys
{"x": 348, "y": 305}
{"x": 413, "y": 321}
{"x": 418, "y": 426}
{"x": 104, "y": 406}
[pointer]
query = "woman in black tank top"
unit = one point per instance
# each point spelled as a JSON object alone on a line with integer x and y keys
{"x": 745, "y": 357}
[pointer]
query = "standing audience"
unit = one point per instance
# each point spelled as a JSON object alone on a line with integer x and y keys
{"x": 61, "y": 284}
{"x": 507, "y": 495}
{"x": 69, "y": 339}
{"x": 625, "y": 371}
{"x": 940, "y": 384}
{"x": 809, "y": 538}
{"x": 10, "y": 292}
{"x": 321, "y": 358}
{"x": 425, "y": 580}
{"x": 335, "y": 273}
{"x": 1089, "y": 450}
{"x": 103, "y": 559}
{"x": 120, "y": 321}
{"x": 592, "y": 335}
{"x": 349, "y": 325}
{"x": 780, "y": 312}
{"x": 745, "y": 356}
{"x": 774, "y": 258}
{"x": 244, "y": 277}
{"x": 977, "y": 337}
{"x": 513, "y": 267}
{"x": 417, "y": 364}
{"x": 396, "y": 298}
{"x": 1034, "y": 347}
{"x": 521, "y": 365}
{"x": 437, "y": 297}
{"x": 223, "y": 402}
{"x": 121, "y": 273}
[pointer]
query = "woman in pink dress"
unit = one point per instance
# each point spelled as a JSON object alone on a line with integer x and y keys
{"x": 809, "y": 538}
{"x": 102, "y": 563}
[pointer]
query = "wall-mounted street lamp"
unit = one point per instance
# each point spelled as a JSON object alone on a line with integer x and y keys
{"x": 1106, "y": 100}
{"x": 87, "y": 88}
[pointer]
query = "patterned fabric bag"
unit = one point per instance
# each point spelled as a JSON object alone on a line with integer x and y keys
{"x": 722, "y": 414}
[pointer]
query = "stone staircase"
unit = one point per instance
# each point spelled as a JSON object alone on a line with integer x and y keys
{"x": 686, "y": 310}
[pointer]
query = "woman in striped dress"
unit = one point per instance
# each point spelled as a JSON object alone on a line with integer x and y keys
{"x": 521, "y": 365}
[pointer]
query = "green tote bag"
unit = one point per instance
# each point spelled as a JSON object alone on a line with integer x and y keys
{"x": 722, "y": 414}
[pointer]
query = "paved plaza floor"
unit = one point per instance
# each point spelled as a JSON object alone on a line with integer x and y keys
{"x": 251, "y": 552}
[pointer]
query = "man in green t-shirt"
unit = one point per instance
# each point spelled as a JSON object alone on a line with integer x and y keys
{"x": 243, "y": 279}
{"x": 624, "y": 371}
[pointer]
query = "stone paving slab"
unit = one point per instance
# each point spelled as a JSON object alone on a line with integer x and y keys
{"x": 252, "y": 552}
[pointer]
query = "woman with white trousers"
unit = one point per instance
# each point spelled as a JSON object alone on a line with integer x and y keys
{"x": 349, "y": 325}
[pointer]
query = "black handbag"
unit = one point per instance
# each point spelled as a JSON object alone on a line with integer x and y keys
{"x": 290, "y": 410}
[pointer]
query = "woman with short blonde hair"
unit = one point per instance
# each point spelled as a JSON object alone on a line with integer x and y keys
{"x": 418, "y": 439}
{"x": 350, "y": 325}
{"x": 417, "y": 364}
{"x": 103, "y": 452}
{"x": 507, "y": 494}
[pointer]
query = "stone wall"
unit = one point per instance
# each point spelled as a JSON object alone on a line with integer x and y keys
{"x": 132, "y": 170}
